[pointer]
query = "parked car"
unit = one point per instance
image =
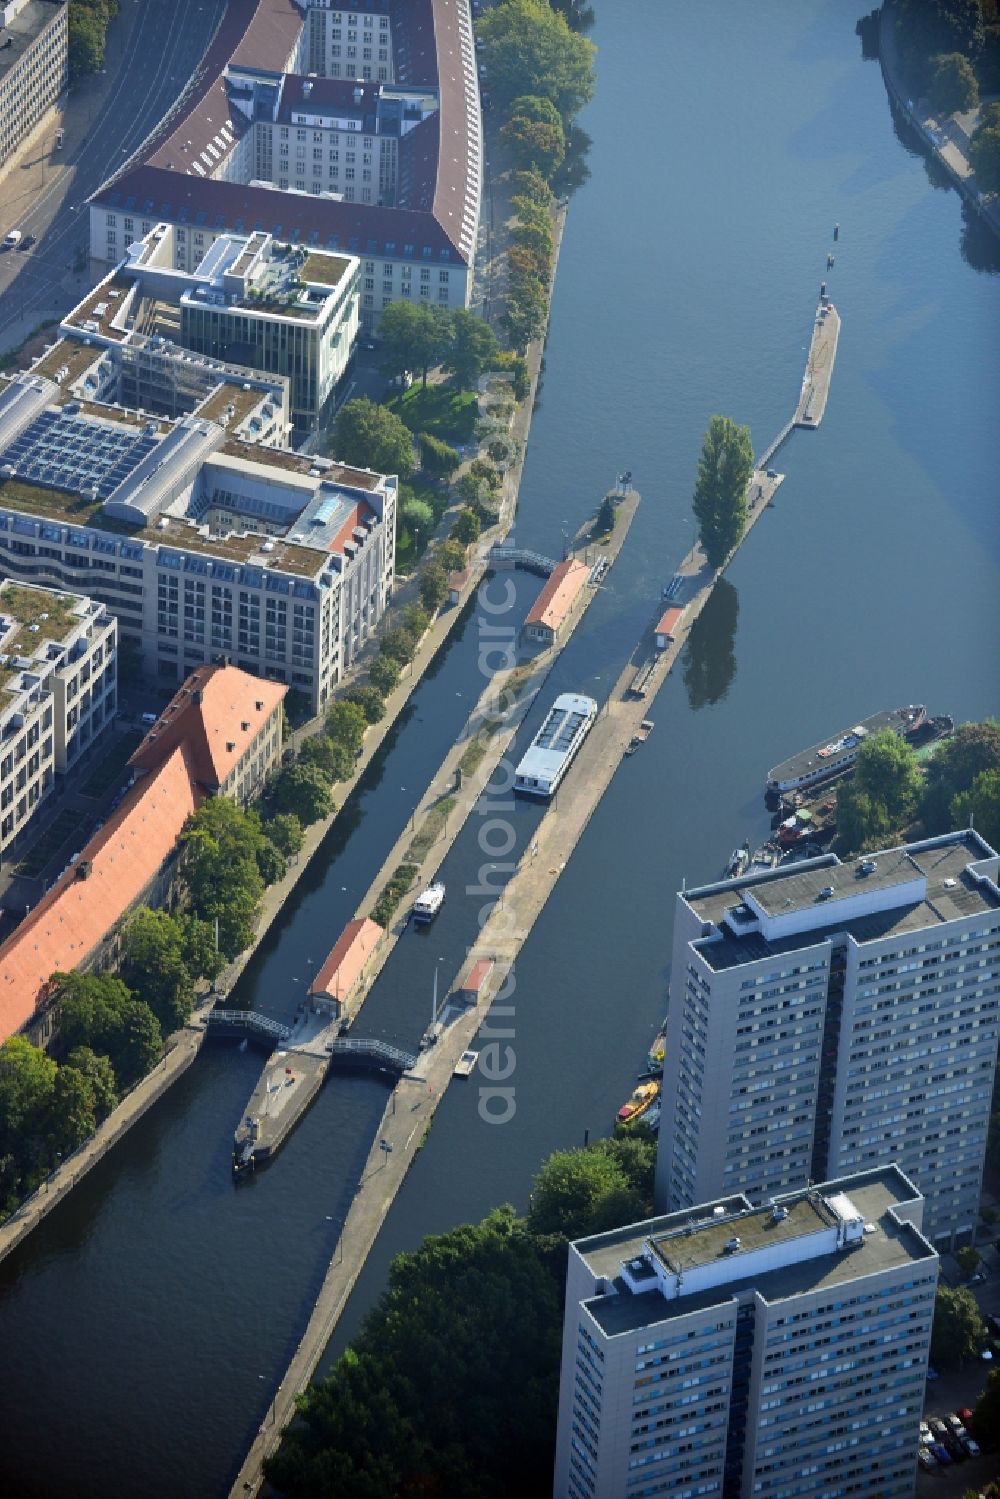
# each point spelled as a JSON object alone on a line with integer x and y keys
{"x": 967, "y": 1418}
{"x": 932, "y": 1373}
{"x": 970, "y": 1444}
{"x": 937, "y": 1426}
{"x": 926, "y": 1459}
{"x": 941, "y": 1454}
{"x": 993, "y": 1323}
{"x": 27, "y": 240}
{"x": 926, "y": 1435}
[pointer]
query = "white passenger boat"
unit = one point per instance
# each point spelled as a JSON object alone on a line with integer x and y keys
{"x": 426, "y": 906}
{"x": 566, "y": 726}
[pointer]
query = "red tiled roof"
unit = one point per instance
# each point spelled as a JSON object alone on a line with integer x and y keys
{"x": 559, "y": 594}
{"x": 343, "y": 967}
{"x": 122, "y": 857}
{"x": 478, "y": 974}
{"x": 258, "y": 35}
{"x": 218, "y": 712}
{"x": 670, "y": 621}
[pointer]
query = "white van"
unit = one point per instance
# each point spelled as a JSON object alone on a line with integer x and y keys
{"x": 13, "y": 238}
{"x": 149, "y": 718}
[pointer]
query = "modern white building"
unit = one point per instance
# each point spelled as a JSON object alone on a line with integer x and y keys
{"x": 248, "y": 303}
{"x": 34, "y": 65}
{"x": 328, "y": 127}
{"x": 832, "y": 1018}
{"x": 58, "y": 692}
{"x": 204, "y": 543}
{"x": 733, "y": 1351}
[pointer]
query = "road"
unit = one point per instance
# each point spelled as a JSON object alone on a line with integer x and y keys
{"x": 152, "y": 50}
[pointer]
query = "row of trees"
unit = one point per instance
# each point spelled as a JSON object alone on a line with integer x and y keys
{"x": 984, "y": 152}
{"x": 934, "y": 32}
{"x": 414, "y": 336}
{"x": 889, "y": 793}
{"x": 476, "y": 1310}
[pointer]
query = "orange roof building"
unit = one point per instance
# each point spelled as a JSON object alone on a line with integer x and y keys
{"x": 666, "y": 630}
{"x": 552, "y": 607}
{"x": 346, "y": 964}
{"x": 231, "y": 723}
{"x": 116, "y": 868}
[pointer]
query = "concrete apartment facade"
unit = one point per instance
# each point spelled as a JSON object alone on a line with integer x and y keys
{"x": 58, "y": 692}
{"x": 730, "y": 1351}
{"x": 834, "y": 1018}
{"x": 34, "y": 66}
{"x": 204, "y": 543}
{"x": 293, "y": 130}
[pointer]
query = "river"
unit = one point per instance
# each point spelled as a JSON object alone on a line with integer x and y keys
{"x": 146, "y": 1322}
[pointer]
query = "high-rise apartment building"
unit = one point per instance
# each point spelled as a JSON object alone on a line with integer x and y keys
{"x": 34, "y": 65}
{"x": 58, "y": 691}
{"x": 726, "y": 1351}
{"x": 833, "y": 1018}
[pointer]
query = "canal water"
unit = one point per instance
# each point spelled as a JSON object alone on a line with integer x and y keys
{"x": 146, "y": 1322}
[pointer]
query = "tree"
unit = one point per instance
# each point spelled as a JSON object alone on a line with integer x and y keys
{"x": 415, "y": 619}
{"x": 433, "y": 586}
{"x": 200, "y": 952}
{"x": 304, "y": 790}
{"x": 581, "y": 1192}
{"x": 27, "y": 1080}
{"x": 221, "y": 871}
{"x": 398, "y": 645}
{"x": 467, "y": 527}
{"x": 532, "y": 185}
{"x": 974, "y": 748}
{"x": 967, "y": 1259}
{"x": 862, "y": 824}
{"x": 97, "y": 1010}
{"x": 980, "y": 806}
{"x": 475, "y": 1310}
{"x": 346, "y": 723}
{"x": 984, "y": 154}
{"x": 451, "y": 556}
{"x": 85, "y": 42}
{"x": 529, "y": 49}
{"x": 958, "y": 1332}
{"x": 886, "y": 770}
{"x": 335, "y": 760}
{"x": 987, "y": 1413}
{"x": 285, "y": 832}
{"x": 473, "y": 348}
{"x": 418, "y": 518}
{"x": 720, "y": 495}
{"x": 438, "y": 459}
{"x": 953, "y": 84}
{"x": 72, "y": 1112}
{"x": 101, "y": 1076}
{"x": 524, "y": 314}
{"x": 271, "y": 863}
{"x": 372, "y": 436}
{"x": 369, "y": 700}
{"x": 384, "y": 674}
{"x": 153, "y": 967}
{"x": 536, "y": 145}
{"x": 413, "y": 336}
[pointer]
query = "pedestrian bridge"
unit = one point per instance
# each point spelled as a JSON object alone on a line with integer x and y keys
{"x": 530, "y": 562}
{"x": 364, "y": 1051}
{"x": 249, "y": 1021}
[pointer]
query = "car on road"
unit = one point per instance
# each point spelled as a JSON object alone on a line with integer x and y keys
{"x": 27, "y": 240}
{"x": 12, "y": 239}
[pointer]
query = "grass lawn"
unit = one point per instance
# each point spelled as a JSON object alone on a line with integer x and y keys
{"x": 433, "y": 824}
{"x": 50, "y": 843}
{"x": 410, "y": 549}
{"x": 440, "y": 409}
{"x": 112, "y": 767}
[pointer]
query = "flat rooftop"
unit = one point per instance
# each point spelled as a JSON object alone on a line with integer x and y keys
{"x": 893, "y": 1244}
{"x": 951, "y": 892}
{"x": 35, "y": 616}
{"x": 681, "y": 1250}
{"x": 24, "y": 28}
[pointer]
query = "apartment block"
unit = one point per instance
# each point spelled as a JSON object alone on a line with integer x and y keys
{"x": 836, "y": 1017}
{"x": 330, "y": 127}
{"x": 58, "y": 692}
{"x": 735, "y": 1351}
{"x": 204, "y": 543}
{"x": 34, "y": 65}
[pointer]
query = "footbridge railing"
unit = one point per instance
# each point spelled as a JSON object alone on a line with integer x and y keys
{"x": 364, "y": 1050}
{"x": 531, "y": 562}
{"x": 248, "y": 1020}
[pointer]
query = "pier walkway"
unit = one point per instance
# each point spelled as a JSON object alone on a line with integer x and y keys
{"x": 415, "y": 1099}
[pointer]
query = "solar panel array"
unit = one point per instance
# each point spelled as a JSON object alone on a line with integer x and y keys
{"x": 67, "y": 451}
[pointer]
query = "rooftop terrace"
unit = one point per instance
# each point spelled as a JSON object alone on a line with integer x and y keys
{"x": 34, "y": 617}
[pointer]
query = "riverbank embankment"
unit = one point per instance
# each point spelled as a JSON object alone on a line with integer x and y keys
{"x": 946, "y": 138}
{"x": 415, "y": 1098}
{"x": 294, "y": 1074}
